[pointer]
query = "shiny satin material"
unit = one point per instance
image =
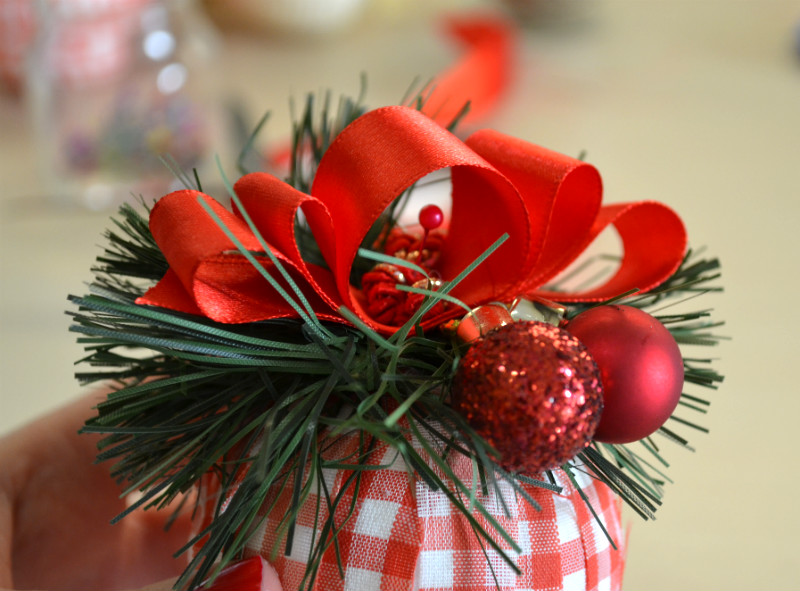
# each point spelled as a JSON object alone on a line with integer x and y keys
{"x": 481, "y": 75}
{"x": 548, "y": 203}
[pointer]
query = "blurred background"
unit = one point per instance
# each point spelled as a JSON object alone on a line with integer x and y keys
{"x": 692, "y": 103}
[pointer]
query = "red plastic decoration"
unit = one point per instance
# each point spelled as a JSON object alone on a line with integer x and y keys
{"x": 547, "y": 203}
{"x": 641, "y": 368}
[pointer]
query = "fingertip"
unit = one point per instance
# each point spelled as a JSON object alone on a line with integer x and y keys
{"x": 165, "y": 585}
{"x": 250, "y": 574}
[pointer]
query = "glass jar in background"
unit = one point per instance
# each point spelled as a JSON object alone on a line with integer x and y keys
{"x": 114, "y": 87}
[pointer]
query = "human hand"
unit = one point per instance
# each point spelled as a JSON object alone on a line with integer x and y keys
{"x": 56, "y": 505}
{"x": 55, "y": 509}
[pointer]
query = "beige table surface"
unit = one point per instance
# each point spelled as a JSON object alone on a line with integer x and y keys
{"x": 693, "y": 103}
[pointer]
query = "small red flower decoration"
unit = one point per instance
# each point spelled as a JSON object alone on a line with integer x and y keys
{"x": 547, "y": 203}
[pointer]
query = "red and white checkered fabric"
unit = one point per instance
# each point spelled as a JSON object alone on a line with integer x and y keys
{"x": 403, "y": 536}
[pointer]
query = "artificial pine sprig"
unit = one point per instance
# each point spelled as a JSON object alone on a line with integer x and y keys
{"x": 167, "y": 433}
{"x": 260, "y": 405}
{"x": 214, "y": 388}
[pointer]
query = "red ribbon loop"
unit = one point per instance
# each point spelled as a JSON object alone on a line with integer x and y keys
{"x": 206, "y": 274}
{"x": 386, "y": 151}
{"x": 563, "y": 195}
{"x": 548, "y": 203}
{"x": 653, "y": 243}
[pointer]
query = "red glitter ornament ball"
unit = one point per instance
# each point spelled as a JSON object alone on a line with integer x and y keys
{"x": 533, "y": 391}
{"x": 640, "y": 365}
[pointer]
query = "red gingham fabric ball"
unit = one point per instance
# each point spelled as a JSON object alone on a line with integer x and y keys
{"x": 403, "y": 536}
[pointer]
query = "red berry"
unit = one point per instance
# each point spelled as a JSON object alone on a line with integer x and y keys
{"x": 431, "y": 217}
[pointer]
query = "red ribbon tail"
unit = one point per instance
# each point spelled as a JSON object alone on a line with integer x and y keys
{"x": 480, "y": 77}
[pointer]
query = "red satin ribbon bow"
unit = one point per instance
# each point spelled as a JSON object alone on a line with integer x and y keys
{"x": 548, "y": 203}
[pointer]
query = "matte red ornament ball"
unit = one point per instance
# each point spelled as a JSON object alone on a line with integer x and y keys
{"x": 533, "y": 392}
{"x": 431, "y": 217}
{"x": 640, "y": 365}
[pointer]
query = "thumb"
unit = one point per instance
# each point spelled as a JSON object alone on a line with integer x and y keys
{"x": 250, "y": 574}
{"x": 165, "y": 585}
